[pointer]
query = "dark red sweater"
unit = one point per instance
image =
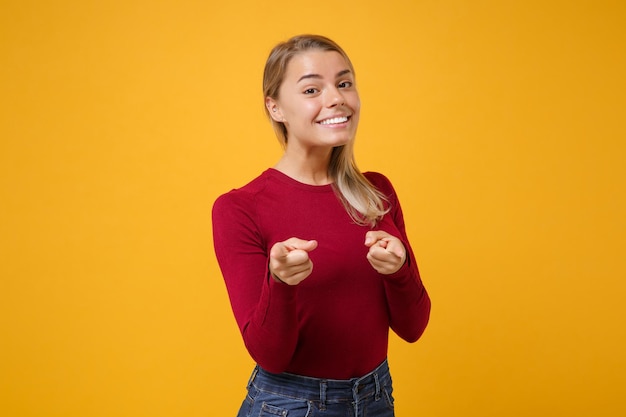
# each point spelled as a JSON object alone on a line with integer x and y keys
{"x": 335, "y": 323}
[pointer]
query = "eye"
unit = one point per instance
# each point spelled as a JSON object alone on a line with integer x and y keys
{"x": 345, "y": 84}
{"x": 310, "y": 91}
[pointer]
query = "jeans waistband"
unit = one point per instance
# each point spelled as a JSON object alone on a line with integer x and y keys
{"x": 322, "y": 390}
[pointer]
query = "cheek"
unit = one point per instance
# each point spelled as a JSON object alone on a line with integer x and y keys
{"x": 355, "y": 103}
{"x": 356, "y": 108}
{"x": 311, "y": 108}
{"x": 306, "y": 112}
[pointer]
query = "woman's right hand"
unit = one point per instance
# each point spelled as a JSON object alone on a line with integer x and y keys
{"x": 289, "y": 260}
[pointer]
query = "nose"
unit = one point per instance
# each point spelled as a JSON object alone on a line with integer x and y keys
{"x": 335, "y": 98}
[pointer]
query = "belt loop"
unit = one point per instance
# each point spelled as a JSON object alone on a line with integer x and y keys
{"x": 377, "y": 386}
{"x": 252, "y": 376}
{"x": 323, "y": 387}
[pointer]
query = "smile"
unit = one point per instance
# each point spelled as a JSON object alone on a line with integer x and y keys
{"x": 334, "y": 121}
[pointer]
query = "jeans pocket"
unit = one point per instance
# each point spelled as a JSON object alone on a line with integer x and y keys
{"x": 284, "y": 407}
{"x": 268, "y": 410}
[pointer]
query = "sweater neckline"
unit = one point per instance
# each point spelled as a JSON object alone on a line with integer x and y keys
{"x": 286, "y": 179}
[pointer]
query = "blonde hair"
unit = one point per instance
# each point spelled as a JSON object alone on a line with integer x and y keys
{"x": 364, "y": 203}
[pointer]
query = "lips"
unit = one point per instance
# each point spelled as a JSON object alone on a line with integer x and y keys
{"x": 334, "y": 120}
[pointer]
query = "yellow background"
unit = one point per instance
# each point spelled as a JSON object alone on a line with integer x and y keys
{"x": 501, "y": 124}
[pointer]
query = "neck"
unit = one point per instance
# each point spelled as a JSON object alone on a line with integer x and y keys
{"x": 310, "y": 168}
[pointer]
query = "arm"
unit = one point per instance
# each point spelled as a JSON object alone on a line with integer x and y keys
{"x": 265, "y": 310}
{"x": 407, "y": 299}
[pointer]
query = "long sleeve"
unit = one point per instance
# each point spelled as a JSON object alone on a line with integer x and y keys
{"x": 264, "y": 309}
{"x": 407, "y": 299}
{"x": 334, "y": 324}
{"x": 409, "y": 303}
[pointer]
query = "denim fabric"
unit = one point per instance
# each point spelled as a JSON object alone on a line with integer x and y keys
{"x": 288, "y": 395}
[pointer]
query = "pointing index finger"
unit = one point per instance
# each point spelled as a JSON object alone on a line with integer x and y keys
{"x": 374, "y": 236}
{"x": 305, "y": 245}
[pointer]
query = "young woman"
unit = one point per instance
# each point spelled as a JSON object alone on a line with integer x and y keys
{"x": 314, "y": 253}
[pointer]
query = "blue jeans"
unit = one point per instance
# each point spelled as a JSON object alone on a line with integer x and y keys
{"x": 288, "y": 395}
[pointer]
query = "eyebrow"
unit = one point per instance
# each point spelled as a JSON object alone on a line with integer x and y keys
{"x": 339, "y": 74}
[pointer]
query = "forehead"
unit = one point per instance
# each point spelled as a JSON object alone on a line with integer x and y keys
{"x": 324, "y": 63}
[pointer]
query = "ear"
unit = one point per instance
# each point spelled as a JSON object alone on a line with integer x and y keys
{"x": 274, "y": 110}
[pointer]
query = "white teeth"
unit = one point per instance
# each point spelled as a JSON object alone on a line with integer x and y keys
{"x": 334, "y": 120}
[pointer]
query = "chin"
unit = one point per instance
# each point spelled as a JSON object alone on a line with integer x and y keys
{"x": 340, "y": 139}
{"x": 337, "y": 143}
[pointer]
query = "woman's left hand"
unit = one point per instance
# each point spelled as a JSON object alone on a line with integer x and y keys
{"x": 387, "y": 254}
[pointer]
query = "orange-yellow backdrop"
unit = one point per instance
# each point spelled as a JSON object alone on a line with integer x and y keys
{"x": 501, "y": 124}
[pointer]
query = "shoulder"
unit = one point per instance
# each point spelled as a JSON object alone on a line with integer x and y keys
{"x": 381, "y": 182}
{"x": 242, "y": 197}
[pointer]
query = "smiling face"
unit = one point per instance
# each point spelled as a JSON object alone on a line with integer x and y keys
{"x": 317, "y": 101}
